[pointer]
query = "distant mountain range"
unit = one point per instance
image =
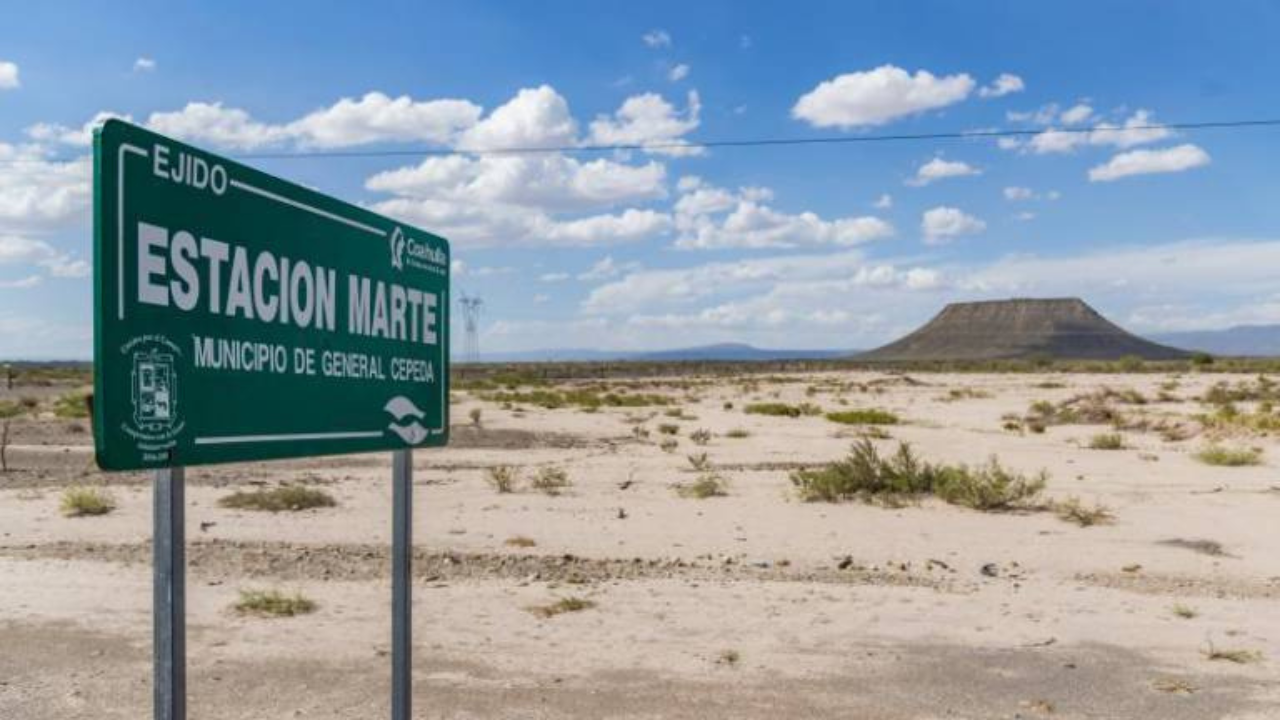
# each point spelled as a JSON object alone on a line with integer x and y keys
{"x": 1241, "y": 340}
{"x": 721, "y": 352}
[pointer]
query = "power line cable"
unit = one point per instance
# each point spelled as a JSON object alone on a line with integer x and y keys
{"x": 677, "y": 145}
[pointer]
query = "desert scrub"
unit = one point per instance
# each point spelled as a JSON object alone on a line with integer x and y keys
{"x": 1106, "y": 441}
{"x": 738, "y": 433}
{"x": 1229, "y": 457}
{"x": 865, "y": 475}
{"x": 503, "y": 478}
{"x": 669, "y": 444}
{"x": 707, "y": 485}
{"x": 701, "y": 436}
{"x": 84, "y": 500}
{"x": 871, "y": 416}
{"x": 9, "y": 409}
{"x": 551, "y": 481}
{"x": 957, "y": 394}
{"x": 1235, "y": 655}
{"x": 1184, "y": 611}
{"x": 520, "y": 541}
{"x": 903, "y": 477}
{"x": 700, "y": 462}
{"x": 1074, "y": 510}
{"x": 583, "y": 398}
{"x": 562, "y": 606}
{"x": 989, "y": 487}
{"x": 292, "y": 498}
{"x": 779, "y": 409}
{"x": 476, "y": 415}
{"x": 72, "y": 405}
{"x": 273, "y": 603}
{"x": 669, "y": 428}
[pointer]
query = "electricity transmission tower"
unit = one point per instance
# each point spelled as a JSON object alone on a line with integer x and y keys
{"x": 471, "y": 305}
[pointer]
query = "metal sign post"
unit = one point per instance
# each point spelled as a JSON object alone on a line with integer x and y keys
{"x": 170, "y": 595}
{"x": 401, "y": 585}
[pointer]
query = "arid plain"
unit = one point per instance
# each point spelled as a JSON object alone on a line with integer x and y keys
{"x": 682, "y": 547}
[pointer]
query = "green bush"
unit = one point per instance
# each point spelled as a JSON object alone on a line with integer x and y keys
{"x": 782, "y": 409}
{"x": 706, "y": 486}
{"x": 84, "y": 500}
{"x": 551, "y": 481}
{"x": 1229, "y": 457}
{"x": 292, "y": 498}
{"x": 902, "y": 478}
{"x": 273, "y": 603}
{"x": 871, "y": 416}
{"x": 1106, "y": 441}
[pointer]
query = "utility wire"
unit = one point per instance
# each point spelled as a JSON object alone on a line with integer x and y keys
{"x": 757, "y": 142}
{"x": 676, "y": 145}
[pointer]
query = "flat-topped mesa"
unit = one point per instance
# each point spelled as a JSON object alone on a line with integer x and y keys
{"x": 1065, "y": 328}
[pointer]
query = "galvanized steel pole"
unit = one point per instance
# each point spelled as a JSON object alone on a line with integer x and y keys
{"x": 169, "y": 598}
{"x": 402, "y": 585}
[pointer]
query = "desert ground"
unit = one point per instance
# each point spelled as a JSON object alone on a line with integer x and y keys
{"x": 1142, "y": 581}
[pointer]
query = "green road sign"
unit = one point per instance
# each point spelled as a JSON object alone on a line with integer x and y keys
{"x": 242, "y": 317}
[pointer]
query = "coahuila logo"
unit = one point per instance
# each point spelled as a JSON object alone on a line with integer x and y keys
{"x": 421, "y": 255}
{"x": 397, "y": 249}
{"x": 402, "y": 408}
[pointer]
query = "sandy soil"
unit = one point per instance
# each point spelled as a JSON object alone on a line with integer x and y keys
{"x": 753, "y": 605}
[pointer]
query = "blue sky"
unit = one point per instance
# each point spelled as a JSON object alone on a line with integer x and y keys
{"x": 838, "y": 246}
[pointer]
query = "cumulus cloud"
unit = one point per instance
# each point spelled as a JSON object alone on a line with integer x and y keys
{"x": 1076, "y": 114}
{"x": 884, "y": 202}
{"x": 9, "y": 75}
{"x": 656, "y": 38}
{"x": 649, "y": 119}
{"x": 1146, "y": 162}
{"x": 939, "y": 169}
{"x": 144, "y": 64}
{"x": 607, "y": 268}
{"x": 1006, "y": 84}
{"x": 17, "y": 250}
{"x": 373, "y": 118}
{"x": 1018, "y": 193}
{"x": 37, "y": 193}
{"x": 941, "y": 224}
{"x": 709, "y": 217}
{"x": 379, "y": 118}
{"x": 1138, "y": 129}
{"x": 876, "y": 97}
{"x": 678, "y": 72}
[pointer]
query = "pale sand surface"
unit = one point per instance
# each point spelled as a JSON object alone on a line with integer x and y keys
{"x": 833, "y": 610}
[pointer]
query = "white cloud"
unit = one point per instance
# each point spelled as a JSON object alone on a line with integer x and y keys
{"x": 649, "y": 119}
{"x": 1018, "y": 193}
{"x": 29, "y": 281}
{"x": 884, "y": 202}
{"x": 1139, "y": 129}
{"x": 1145, "y": 162}
{"x": 940, "y": 224}
{"x": 1006, "y": 84}
{"x": 708, "y": 217}
{"x": 535, "y": 118}
{"x": 657, "y": 38}
{"x": 678, "y": 72}
{"x": 81, "y": 136}
{"x": 16, "y": 250}
{"x": 1076, "y": 114}
{"x": 1044, "y": 115}
{"x": 38, "y": 193}
{"x": 144, "y": 64}
{"x": 628, "y": 226}
{"x": 939, "y": 169}
{"x": 9, "y": 75}
{"x": 218, "y": 125}
{"x": 379, "y": 118}
{"x": 553, "y": 277}
{"x": 1025, "y": 216}
{"x": 541, "y": 298}
{"x": 875, "y": 97}
{"x": 607, "y": 268}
